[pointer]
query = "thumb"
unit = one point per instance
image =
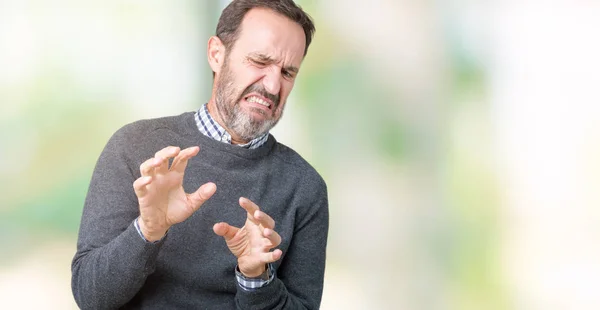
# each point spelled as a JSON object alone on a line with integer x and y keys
{"x": 202, "y": 194}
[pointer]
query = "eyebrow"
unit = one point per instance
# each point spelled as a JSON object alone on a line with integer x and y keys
{"x": 268, "y": 59}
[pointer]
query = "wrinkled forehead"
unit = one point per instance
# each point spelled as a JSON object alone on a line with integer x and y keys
{"x": 270, "y": 33}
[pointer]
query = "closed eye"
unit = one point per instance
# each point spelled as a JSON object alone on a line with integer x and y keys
{"x": 287, "y": 74}
{"x": 258, "y": 62}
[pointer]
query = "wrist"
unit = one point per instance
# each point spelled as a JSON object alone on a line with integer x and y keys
{"x": 151, "y": 232}
{"x": 254, "y": 273}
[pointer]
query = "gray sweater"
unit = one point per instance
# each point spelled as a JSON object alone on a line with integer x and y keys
{"x": 192, "y": 268}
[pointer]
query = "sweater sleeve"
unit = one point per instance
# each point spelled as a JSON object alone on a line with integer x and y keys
{"x": 299, "y": 279}
{"x": 112, "y": 262}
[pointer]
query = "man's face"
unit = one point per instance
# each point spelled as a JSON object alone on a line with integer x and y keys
{"x": 258, "y": 73}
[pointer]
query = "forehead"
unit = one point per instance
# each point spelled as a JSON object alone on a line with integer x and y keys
{"x": 267, "y": 32}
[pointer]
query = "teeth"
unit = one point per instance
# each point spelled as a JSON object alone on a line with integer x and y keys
{"x": 258, "y": 100}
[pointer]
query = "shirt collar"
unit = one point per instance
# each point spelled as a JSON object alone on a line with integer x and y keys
{"x": 210, "y": 128}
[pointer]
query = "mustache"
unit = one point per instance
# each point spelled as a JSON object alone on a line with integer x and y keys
{"x": 256, "y": 88}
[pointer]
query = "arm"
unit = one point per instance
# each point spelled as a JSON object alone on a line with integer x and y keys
{"x": 298, "y": 283}
{"x": 112, "y": 261}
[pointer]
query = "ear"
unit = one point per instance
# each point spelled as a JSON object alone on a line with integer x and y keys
{"x": 216, "y": 53}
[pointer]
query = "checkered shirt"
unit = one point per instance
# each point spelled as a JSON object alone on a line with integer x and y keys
{"x": 249, "y": 284}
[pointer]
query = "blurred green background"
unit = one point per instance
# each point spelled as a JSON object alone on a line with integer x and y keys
{"x": 460, "y": 140}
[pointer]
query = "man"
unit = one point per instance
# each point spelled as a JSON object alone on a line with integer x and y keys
{"x": 252, "y": 232}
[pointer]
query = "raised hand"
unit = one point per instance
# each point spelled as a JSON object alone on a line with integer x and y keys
{"x": 252, "y": 243}
{"x": 161, "y": 197}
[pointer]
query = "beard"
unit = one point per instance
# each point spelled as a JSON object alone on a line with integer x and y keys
{"x": 240, "y": 122}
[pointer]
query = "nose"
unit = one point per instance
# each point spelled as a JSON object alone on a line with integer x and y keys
{"x": 272, "y": 82}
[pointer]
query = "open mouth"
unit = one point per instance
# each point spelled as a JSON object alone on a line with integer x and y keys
{"x": 259, "y": 102}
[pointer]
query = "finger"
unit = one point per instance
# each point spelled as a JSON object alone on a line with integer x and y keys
{"x": 147, "y": 167}
{"x": 188, "y": 152}
{"x": 273, "y": 237}
{"x": 139, "y": 185}
{"x": 264, "y": 219}
{"x": 225, "y": 230}
{"x": 180, "y": 162}
{"x": 169, "y": 151}
{"x": 251, "y": 208}
{"x": 164, "y": 155}
{"x": 203, "y": 193}
{"x": 271, "y": 257}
